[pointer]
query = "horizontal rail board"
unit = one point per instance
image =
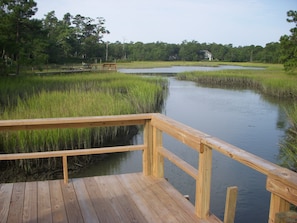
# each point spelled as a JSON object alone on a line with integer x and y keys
{"x": 181, "y": 132}
{"x": 248, "y": 159}
{"x": 179, "y": 162}
{"x": 77, "y": 122}
{"x": 283, "y": 183}
{"x": 77, "y": 152}
{"x": 194, "y": 138}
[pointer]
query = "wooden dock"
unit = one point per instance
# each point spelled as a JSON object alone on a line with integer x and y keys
{"x": 109, "y": 66}
{"x": 117, "y": 198}
{"x": 138, "y": 197}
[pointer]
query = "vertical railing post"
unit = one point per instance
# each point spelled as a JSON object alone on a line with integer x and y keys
{"x": 277, "y": 204}
{"x": 281, "y": 183}
{"x": 158, "y": 160}
{"x": 203, "y": 184}
{"x": 230, "y": 206}
{"x": 153, "y": 162}
{"x": 147, "y": 156}
{"x": 65, "y": 169}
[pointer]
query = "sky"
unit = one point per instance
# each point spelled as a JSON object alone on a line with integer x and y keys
{"x": 236, "y": 22}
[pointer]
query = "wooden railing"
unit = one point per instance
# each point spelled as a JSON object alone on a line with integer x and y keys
{"x": 281, "y": 182}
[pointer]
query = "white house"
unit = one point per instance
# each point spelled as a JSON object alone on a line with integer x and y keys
{"x": 207, "y": 55}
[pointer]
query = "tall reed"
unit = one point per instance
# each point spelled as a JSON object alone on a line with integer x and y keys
{"x": 288, "y": 146}
{"x": 72, "y": 96}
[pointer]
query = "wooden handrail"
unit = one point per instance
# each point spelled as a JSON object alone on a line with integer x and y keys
{"x": 187, "y": 168}
{"x": 281, "y": 182}
{"x": 193, "y": 138}
{"x": 76, "y": 152}
{"x": 77, "y": 122}
{"x": 65, "y": 153}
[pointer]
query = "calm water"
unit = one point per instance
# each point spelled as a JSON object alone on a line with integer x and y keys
{"x": 179, "y": 69}
{"x": 240, "y": 117}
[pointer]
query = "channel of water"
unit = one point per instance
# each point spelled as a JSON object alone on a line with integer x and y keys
{"x": 240, "y": 117}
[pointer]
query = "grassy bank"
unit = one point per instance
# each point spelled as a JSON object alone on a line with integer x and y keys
{"x": 71, "y": 96}
{"x": 271, "y": 80}
{"x": 153, "y": 64}
{"x": 288, "y": 146}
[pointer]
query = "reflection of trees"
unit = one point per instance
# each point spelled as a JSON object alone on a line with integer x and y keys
{"x": 288, "y": 147}
{"x": 286, "y": 121}
{"x": 283, "y": 106}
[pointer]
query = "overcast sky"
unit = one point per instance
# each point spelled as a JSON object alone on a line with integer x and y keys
{"x": 237, "y": 22}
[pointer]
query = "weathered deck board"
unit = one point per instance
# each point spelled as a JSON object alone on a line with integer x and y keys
{"x": 100, "y": 202}
{"x": 30, "y": 203}
{"x": 118, "y": 198}
{"x": 140, "y": 198}
{"x": 122, "y": 205}
{"x": 43, "y": 202}
{"x": 5, "y": 197}
{"x": 16, "y": 203}
{"x": 57, "y": 202}
{"x": 84, "y": 201}
{"x": 70, "y": 202}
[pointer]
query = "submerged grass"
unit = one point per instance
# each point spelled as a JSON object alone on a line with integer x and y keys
{"x": 72, "y": 96}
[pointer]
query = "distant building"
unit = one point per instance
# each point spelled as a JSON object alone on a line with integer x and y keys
{"x": 207, "y": 55}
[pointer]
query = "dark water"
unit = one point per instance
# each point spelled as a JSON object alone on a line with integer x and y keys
{"x": 240, "y": 117}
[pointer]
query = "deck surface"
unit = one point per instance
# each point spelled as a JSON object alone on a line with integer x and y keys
{"x": 117, "y": 198}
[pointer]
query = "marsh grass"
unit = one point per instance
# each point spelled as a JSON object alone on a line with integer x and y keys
{"x": 73, "y": 96}
{"x": 271, "y": 81}
{"x": 288, "y": 146}
{"x": 153, "y": 64}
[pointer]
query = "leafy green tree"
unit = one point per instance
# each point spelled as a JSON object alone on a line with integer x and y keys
{"x": 189, "y": 51}
{"x": 116, "y": 51}
{"x": 271, "y": 53}
{"x": 33, "y": 50}
{"x": 74, "y": 37}
{"x": 289, "y": 45}
{"x": 218, "y": 51}
{"x": 15, "y": 29}
{"x": 60, "y": 36}
{"x": 89, "y": 33}
{"x": 136, "y": 51}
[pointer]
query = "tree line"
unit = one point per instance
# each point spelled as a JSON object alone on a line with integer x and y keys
{"x": 193, "y": 51}
{"x": 29, "y": 42}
